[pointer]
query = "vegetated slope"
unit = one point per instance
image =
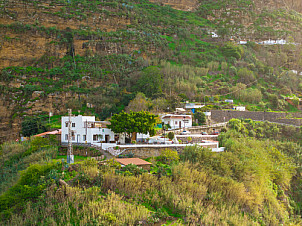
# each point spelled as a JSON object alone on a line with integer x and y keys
{"x": 256, "y": 182}
{"x": 18, "y": 156}
{"x": 94, "y": 56}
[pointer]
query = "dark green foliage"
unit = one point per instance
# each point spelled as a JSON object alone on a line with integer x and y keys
{"x": 171, "y": 135}
{"x": 28, "y": 188}
{"x": 150, "y": 82}
{"x": 161, "y": 169}
{"x": 17, "y": 156}
{"x": 133, "y": 122}
{"x": 131, "y": 170}
{"x": 33, "y": 125}
{"x": 230, "y": 50}
{"x": 201, "y": 117}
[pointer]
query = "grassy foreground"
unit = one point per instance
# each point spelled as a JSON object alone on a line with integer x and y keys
{"x": 255, "y": 182}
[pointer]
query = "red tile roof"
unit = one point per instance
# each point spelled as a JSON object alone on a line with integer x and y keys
{"x": 55, "y": 132}
{"x": 177, "y": 116}
{"x": 135, "y": 161}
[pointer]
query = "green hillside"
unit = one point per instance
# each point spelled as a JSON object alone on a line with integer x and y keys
{"x": 95, "y": 56}
{"x": 100, "y": 57}
{"x": 255, "y": 182}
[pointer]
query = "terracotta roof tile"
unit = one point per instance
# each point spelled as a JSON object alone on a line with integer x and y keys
{"x": 179, "y": 117}
{"x": 135, "y": 161}
{"x": 58, "y": 131}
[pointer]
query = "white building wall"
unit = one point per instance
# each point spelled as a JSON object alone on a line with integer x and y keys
{"x": 93, "y": 135}
{"x": 178, "y": 123}
{"x": 77, "y": 126}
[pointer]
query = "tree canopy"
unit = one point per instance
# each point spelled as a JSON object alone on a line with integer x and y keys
{"x": 201, "y": 117}
{"x": 150, "y": 82}
{"x": 32, "y": 126}
{"x": 133, "y": 122}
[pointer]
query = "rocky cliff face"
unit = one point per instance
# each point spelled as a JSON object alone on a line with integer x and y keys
{"x": 185, "y": 5}
{"x": 110, "y": 41}
{"x": 32, "y": 32}
{"x": 190, "y": 5}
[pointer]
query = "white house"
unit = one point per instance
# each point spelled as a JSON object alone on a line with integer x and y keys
{"x": 178, "y": 121}
{"x": 86, "y": 130}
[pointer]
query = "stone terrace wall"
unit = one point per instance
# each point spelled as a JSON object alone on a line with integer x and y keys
{"x": 294, "y": 122}
{"x": 226, "y": 115}
{"x": 196, "y": 139}
{"x": 146, "y": 152}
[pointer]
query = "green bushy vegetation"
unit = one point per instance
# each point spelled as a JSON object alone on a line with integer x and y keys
{"x": 16, "y": 156}
{"x": 255, "y": 182}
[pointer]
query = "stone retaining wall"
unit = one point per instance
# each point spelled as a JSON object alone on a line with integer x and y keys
{"x": 146, "y": 152}
{"x": 226, "y": 115}
{"x": 195, "y": 139}
{"x": 81, "y": 151}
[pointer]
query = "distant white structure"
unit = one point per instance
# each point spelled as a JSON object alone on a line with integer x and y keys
{"x": 268, "y": 42}
{"x": 214, "y": 35}
{"x": 296, "y": 72}
{"x": 180, "y": 110}
{"x": 85, "y": 130}
{"x": 239, "y": 108}
{"x": 229, "y": 101}
{"x": 273, "y": 42}
{"x": 193, "y": 106}
{"x": 207, "y": 113}
{"x": 178, "y": 121}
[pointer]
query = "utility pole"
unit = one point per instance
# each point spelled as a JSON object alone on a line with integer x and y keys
{"x": 70, "y": 156}
{"x": 86, "y": 125}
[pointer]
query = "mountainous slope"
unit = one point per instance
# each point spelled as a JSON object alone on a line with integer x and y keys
{"x": 94, "y": 56}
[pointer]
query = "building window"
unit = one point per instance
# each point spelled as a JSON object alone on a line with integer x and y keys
{"x": 66, "y": 136}
{"x": 95, "y": 137}
{"x": 72, "y": 135}
{"x": 175, "y": 122}
{"x": 73, "y": 124}
{"x": 66, "y": 124}
{"x": 84, "y": 137}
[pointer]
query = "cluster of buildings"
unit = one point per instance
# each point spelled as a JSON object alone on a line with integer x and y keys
{"x": 86, "y": 130}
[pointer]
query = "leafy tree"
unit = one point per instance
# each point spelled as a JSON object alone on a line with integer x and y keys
{"x": 150, "y": 82}
{"x": 171, "y": 135}
{"x": 223, "y": 32}
{"x": 133, "y": 122}
{"x": 231, "y": 50}
{"x": 201, "y": 117}
{"x": 139, "y": 103}
{"x": 237, "y": 125}
{"x": 159, "y": 105}
{"x": 168, "y": 156}
{"x": 32, "y": 125}
{"x": 246, "y": 76}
